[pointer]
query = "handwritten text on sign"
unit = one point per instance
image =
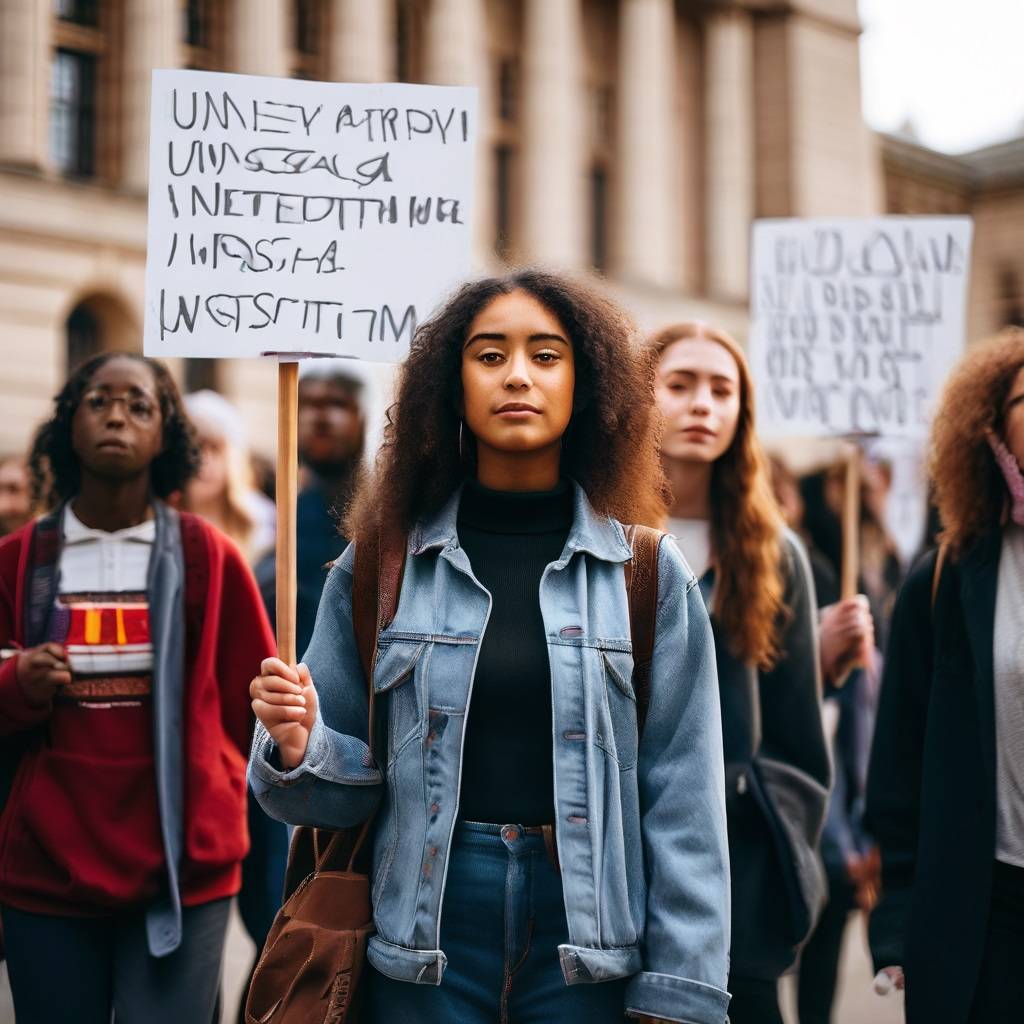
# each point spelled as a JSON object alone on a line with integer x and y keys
{"x": 291, "y": 216}
{"x": 855, "y": 323}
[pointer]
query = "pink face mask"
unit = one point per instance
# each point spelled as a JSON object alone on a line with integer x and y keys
{"x": 1013, "y": 476}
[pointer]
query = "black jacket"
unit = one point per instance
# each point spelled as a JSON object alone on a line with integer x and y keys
{"x": 777, "y": 782}
{"x": 932, "y": 786}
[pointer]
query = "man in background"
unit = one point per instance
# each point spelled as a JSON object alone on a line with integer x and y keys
{"x": 331, "y": 434}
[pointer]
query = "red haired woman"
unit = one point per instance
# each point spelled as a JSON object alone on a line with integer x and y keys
{"x": 946, "y": 784}
{"x": 755, "y": 577}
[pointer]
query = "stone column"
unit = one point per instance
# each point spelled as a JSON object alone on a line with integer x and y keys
{"x": 457, "y": 54}
{"x": 648, "y": 207}
{"x": 260, "y": 37}
{"x": 362, "y": 41}
{"x": 152, "y": 29}
{"x": 553, "y": 183}
{"x": 25, "y": 82}
{"x": 729, "y": 172}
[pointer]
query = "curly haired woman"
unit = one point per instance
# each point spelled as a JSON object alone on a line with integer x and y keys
{"x": 523, "y": 437}
{"x": 756, "y": 579}
{"x": 124, "y": 829}
{"x": 946, "y": 785}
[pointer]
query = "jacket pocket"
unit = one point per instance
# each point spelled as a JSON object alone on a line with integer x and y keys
{"x": 617, "y": 734}
{"x": 219, "y": 835}
{"x": 394, "y": 683}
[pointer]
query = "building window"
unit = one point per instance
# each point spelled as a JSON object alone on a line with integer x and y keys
{"x": 602, "y": 115}
{"x": 309, "y": 33}
{"x": 503, "y": 182}
{"x": 84, "y": 336}
{"x": 203, "y": 34}
{"x": 201, "y": 374}
{"x": 80, "y": 12}
{"x": 599, "y": 218}
{"x": 73, "y": 113}
{"x": 508, "y": 89}
{"x": 409, "y": 40}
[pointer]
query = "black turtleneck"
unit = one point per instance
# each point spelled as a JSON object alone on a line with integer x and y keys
{"x": 510, "y": 538}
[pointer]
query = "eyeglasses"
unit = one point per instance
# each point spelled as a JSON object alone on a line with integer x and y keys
{"x": 138, "y": 407}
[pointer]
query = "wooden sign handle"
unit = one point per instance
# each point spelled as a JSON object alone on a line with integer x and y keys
{"x": 287, "y": 492}
{"x": 851, "y": 523}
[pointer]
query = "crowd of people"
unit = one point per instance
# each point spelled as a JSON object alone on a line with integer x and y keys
{"x": 558, "y": 829}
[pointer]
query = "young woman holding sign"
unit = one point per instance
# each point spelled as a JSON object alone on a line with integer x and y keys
{"x": 946, "y": 784}
{"x": 756, "y": 579}
{"x": 521, "y": 440}
{"x": 124, "y": 827}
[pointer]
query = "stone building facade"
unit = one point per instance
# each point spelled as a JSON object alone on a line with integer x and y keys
{"x": 635, "y": 139}
{"x": 988, "y": 184}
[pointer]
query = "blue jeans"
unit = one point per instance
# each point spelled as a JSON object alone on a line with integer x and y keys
{"x": 503, "y": 920}
{"x": 80, "y": 969}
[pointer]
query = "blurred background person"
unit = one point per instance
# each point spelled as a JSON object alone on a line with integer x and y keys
{"x": 223, "y": 492}
{"x": 879, "y": 568}
{"x": 124, "y": 828}
{"x": 756, "y": 581}
{"x": 946, "y": 784}
{"x": 15, "y": 494}
{"x": 849, "y": 672}
{"x": 331, "y": 438}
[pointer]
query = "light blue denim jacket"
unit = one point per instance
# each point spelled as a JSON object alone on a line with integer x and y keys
{"x": 640, "y": 829}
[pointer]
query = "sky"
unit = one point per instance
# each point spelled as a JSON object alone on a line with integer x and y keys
{"x": 953, "y": 68}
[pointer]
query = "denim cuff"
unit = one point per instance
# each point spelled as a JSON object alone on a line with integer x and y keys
{"x": 331, "y": 756}
{"x": 677, "y": 999}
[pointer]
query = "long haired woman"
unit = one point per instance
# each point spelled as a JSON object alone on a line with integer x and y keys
{"x": 946, "y": 783}
{"x": 522, "y": 439}
{"x": 756, "y": 580}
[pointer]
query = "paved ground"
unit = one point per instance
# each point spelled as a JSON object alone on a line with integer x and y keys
{"x": 857, "y": 1003}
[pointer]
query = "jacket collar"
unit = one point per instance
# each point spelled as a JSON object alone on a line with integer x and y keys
{"x": 592, "y": 533}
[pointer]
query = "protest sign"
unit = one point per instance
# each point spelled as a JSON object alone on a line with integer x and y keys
{"x": 293, "y": 218}
{"x": 855, "y": 323}
{"x": 289, "y": 216}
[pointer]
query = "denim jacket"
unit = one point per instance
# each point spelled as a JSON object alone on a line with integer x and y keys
{"x": 640, "y": 827}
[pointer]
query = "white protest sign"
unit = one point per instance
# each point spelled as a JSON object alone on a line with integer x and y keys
{"x": 855, "y": 323}
{"x": 288, "y": 216}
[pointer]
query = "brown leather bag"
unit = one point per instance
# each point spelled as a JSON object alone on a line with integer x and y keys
{"x": 314, "y": 956}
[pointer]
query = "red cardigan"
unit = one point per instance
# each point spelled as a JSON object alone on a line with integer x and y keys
{"x": 54, "y": 856}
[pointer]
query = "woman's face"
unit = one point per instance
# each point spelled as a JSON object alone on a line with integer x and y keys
{"x": 117, "y": 429}
{"x": 698, "y": 392}
{"x": 1014, "y": 416}
{"x": 518, "y": 376}
{"x": 210, "y": 483}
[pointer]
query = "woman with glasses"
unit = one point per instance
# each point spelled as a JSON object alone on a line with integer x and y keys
{"x": 124, "y": 714}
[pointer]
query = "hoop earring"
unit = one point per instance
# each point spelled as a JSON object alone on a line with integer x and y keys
{"x": 462, "y": 457}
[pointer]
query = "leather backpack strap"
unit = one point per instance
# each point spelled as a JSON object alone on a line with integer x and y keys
{"x": 940, "y": 561}
{"x": 376, "y": 588}
{"x": 642, "y": 590}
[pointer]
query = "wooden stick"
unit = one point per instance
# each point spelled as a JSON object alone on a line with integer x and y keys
{"x": 851, "y": 523}
{"x": 287, "y": 490}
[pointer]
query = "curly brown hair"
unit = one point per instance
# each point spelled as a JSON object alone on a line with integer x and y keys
{"x": 970, "y": 492}
{"x": 610, "y": 447}
{"x": 746, "y": 524}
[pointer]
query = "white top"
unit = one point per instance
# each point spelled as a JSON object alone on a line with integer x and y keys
{"x": 103, "y": 577}
{"x": 1008, "y": 665}
{"x": 693, "y": 538}
{"x": 94, "y": 561}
